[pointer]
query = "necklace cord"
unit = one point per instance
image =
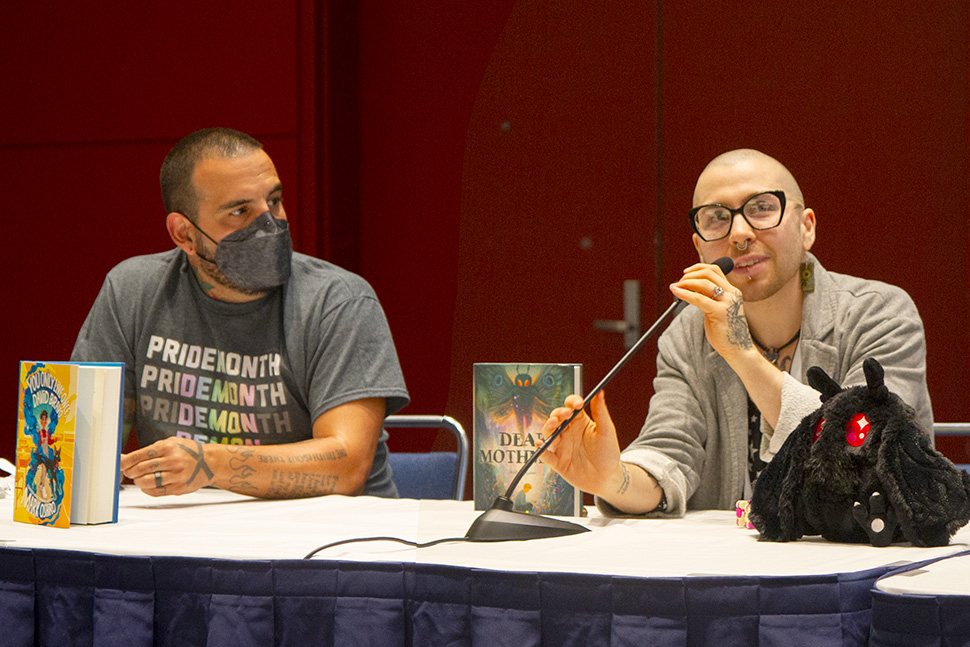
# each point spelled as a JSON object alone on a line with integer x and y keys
{"x": 774, "y": 350}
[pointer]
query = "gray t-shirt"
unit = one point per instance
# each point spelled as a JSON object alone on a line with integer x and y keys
{"x": 224, "y": 372}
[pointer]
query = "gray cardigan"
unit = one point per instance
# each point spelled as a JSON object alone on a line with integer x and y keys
{"x": 694, "y": 440}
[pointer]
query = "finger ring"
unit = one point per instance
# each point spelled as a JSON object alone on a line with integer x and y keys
{"x": 158, "y": 479}
{"x": 718, "y": 291}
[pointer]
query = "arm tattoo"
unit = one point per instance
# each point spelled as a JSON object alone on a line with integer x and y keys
{"x": 625, "y": 483}
{"x": 296, "y": 484}
{"x": 200, "y": 464}
{"x": 305, "y": 458}
{"x": 738, "y": 334}
{"x": 286, "y": 483}
{"x": 242, "y": 471}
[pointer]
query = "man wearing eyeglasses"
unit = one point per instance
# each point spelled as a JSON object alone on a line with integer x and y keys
{"x": 731, "y": 383}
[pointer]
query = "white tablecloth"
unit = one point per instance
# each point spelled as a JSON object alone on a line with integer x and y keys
{"x": 218, "y": 524}
{"x": 950, "y": 576}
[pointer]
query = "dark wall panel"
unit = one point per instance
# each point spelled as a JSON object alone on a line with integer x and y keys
{"x": 421, "y": 65}
{"x": 868, "y": 108}
{"x": 94, "y": 96}
{"x": 109, "y": 71}
{"x": 368, "y": 110}
{"x": 557, "y": 196}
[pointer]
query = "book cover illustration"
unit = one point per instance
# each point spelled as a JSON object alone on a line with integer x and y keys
{"x": 512, "y": 402}
{"x": 45, "y": 444}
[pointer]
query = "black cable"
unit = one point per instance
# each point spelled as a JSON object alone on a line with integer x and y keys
{"x": 406, "y": 542}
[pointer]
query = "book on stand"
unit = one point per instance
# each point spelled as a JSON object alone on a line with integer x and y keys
{"x": 69, "y": 417}
{"x": 512, "y": 402}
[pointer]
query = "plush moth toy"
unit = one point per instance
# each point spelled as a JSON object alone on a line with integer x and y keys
{"x": 859, "y": 469}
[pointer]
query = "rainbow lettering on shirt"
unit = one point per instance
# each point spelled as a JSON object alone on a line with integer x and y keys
{"x": 211, "y": 395}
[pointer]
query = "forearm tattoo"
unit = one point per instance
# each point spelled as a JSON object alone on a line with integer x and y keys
{"x": 738, "y": 334}
{"x": 625, "y": 483}
{"x": 305, "y": 458}
{"x": 296, "y": 484}
{"x": 200, "y": 464}
{"x": 241, "y": 471}
{"x": 284, "y": 483}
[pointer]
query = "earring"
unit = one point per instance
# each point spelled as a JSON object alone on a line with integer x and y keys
{"x": 807, "y": 275}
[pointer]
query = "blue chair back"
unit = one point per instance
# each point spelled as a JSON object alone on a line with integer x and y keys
{"x": 953, "y": 429}
{"x": 430, "y": 475}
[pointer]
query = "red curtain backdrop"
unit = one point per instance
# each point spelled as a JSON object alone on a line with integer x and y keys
{"x": 494, "y": 168}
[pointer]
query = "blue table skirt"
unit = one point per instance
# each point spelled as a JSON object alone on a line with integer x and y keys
{"x": 57, "y": 597}
{"x": 924, "y": 620}
{"x": 901, "y": 620}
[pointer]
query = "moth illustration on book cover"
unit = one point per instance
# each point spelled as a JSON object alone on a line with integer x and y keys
{"x": 44, "y": 445}
{"x": 512, "y": 402}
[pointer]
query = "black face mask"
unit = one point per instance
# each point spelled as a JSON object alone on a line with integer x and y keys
{"x": 256, "y": 257}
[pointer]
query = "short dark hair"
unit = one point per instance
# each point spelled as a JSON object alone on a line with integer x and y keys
{"x": 178, "y": 191}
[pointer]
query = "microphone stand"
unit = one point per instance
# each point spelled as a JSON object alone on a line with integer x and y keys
{"x": 501, "y": 522}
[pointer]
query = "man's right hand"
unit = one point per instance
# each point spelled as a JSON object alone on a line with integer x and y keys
{"x": 587, "y": 455}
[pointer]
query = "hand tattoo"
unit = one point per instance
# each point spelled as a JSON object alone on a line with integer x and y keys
{"x": 738, "y": 334}
{"x": 200, "y": 464}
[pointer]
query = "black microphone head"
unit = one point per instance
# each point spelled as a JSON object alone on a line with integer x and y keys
{"x": 725, "y": 263}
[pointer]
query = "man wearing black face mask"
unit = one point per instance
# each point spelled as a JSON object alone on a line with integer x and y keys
{"x": 248, "y": 367}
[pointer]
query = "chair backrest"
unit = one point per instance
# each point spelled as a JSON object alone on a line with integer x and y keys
{"x": 430, "y": 475}
{"x": 952, "y": 429}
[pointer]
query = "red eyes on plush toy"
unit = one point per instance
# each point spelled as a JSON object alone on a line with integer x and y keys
{"x": 857, "y": 430}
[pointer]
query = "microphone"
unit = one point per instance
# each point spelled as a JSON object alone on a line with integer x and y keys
{"x": 501, "y": 522}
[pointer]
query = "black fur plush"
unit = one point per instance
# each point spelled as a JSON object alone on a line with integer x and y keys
{"x": 859, "y": 469}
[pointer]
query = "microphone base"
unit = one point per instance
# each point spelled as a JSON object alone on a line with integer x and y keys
{"x": 496, "y": 524}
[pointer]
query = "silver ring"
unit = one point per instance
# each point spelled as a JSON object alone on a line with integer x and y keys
{"x": 741, "y": 246}
{"x": 158, "y": 479}
{"x": 718, "y": 291}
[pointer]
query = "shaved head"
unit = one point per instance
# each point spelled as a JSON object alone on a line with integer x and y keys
{"x": 748, "y": 158}
{"x": 766, "y": 260}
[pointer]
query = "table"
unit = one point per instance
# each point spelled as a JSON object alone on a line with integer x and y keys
{"x": 926, "y": 605}
{"x": 218, "y": 568}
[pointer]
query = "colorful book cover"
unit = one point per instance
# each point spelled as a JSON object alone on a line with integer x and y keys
{"x": 512, "y": 402}
{"x": 47, "y": 416}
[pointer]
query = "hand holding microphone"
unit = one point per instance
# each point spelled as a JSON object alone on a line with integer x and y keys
{"x": 703, "y": 280}
{"x": 589, "y": 457}
{"x": 724, "y": 322}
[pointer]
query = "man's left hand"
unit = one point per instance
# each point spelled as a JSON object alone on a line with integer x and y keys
{"x": 169, "y": 466}
{"x": 725, "y": 325}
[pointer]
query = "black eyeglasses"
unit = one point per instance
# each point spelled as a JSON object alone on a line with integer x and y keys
{"x": 761, "y": 211}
